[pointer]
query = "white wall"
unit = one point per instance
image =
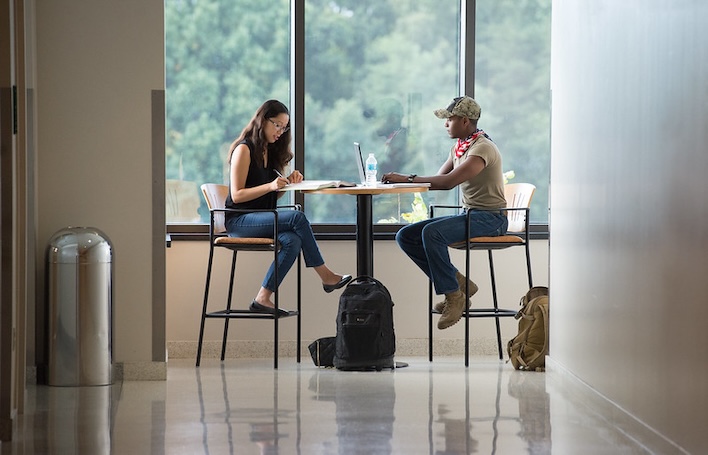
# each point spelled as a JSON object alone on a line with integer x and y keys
{"x": 97, "y": 63}
{"x": 628, "y": 212}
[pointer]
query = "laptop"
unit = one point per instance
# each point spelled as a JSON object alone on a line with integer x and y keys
{"x": 362, "y": 172}
{"x": 360, "y": 163}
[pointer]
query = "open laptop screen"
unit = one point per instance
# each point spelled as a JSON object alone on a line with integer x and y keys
{"x": 360, "y": 163}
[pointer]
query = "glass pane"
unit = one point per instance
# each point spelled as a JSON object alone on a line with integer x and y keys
{"x": 223, "y": 59}
{"x": 375, "y": 72}
{"x": 512, "y": 84}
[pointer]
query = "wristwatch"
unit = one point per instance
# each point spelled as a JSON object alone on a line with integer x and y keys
{"x": 411, "y": 177}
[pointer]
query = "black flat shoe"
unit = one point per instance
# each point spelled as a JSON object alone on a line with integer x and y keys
{"x": 333, "y": 287}
{"x": 258, "y": 308}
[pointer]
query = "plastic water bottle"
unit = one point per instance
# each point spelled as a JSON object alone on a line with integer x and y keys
{"x": 371, "y": 168}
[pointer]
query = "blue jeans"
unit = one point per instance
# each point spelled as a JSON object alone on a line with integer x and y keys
{"x": 426, "y": 243}
{"x": 294, "y": 234}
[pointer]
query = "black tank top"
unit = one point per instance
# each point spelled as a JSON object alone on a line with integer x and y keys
{"x": 257, "y": 175}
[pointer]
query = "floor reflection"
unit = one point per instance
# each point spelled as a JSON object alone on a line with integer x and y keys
{"x": 495, "y": 411}
{"x": 223, "y": 419}
{"x": 534, "y": 410}
{"x": 75, "y": 420}
{"x": 364, "y": 408}
{"x": 243, "y": 406}
{"x": 456, "y": 432}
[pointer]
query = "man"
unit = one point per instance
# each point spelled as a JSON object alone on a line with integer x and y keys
{"x": 476, "y": 165}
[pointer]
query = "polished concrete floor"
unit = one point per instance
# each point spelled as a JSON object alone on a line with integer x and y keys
{"x": 243, "y": 406}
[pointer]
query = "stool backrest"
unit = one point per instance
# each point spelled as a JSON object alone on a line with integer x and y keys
{"x": 518, "y": 195}
{"x": 215, "y": 197}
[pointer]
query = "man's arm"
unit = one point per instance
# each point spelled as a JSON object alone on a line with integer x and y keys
{"x": 447, "y": 177}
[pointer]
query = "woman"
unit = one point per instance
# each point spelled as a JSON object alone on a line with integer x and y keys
{"x": 257, "y": 162}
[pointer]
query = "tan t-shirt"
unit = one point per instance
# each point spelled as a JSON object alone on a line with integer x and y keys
{"x": 486, "y": 189}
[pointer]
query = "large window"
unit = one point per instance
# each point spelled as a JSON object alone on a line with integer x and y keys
{"x": 512, "y": 84}
{"x": 374, "y": 72}
{"x": 223, "y": 58}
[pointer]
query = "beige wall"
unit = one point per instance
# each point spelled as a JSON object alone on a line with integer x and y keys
{"x": 629, "y": 240}
{"x": 186, "y": 268}
{"x": 97, "y": 63}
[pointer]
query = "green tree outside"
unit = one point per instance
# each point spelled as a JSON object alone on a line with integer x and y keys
{"x": 224, "y": 58}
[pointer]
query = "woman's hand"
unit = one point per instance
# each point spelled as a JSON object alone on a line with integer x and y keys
{"x": 278, "y": 183}
{"x": 296, "y": 177}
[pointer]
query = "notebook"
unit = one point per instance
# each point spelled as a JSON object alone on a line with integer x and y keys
{"x": 306, "y": 185}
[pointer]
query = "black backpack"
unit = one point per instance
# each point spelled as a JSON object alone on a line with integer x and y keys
{"x": 365, "y": 339}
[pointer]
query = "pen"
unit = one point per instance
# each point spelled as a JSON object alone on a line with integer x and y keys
{"x": 281, "y": 175}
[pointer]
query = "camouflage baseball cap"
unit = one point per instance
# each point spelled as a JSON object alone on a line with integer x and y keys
{"x": 462, "y": 106}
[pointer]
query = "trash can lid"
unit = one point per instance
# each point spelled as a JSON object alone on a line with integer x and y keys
{"x": 83, "y": 245}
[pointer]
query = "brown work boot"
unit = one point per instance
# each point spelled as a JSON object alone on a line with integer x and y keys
{"x": 440, "y": 306}
{"x": 454, "y": 307}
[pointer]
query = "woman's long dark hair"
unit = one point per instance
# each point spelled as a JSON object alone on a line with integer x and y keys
{"x": 279, "y": 153}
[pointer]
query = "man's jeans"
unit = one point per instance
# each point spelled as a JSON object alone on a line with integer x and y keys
{"x": 426, "y": 243}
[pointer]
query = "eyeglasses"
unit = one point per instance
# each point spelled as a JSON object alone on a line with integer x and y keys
{"x": 278, "y": 127}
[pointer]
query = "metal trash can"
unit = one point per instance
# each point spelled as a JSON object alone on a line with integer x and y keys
{"x": 80, "y": 308}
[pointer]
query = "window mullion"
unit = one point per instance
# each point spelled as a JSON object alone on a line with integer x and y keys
{"x": 297, "y": 87}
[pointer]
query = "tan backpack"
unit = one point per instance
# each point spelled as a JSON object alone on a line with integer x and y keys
{"x": 528, "y": 349}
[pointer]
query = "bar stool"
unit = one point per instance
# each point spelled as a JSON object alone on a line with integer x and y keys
{"x": 215, "y": 196}
{"x": 518, "y": 197}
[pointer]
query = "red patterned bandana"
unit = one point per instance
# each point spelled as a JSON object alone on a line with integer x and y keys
{"x": 462, "y": 146}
